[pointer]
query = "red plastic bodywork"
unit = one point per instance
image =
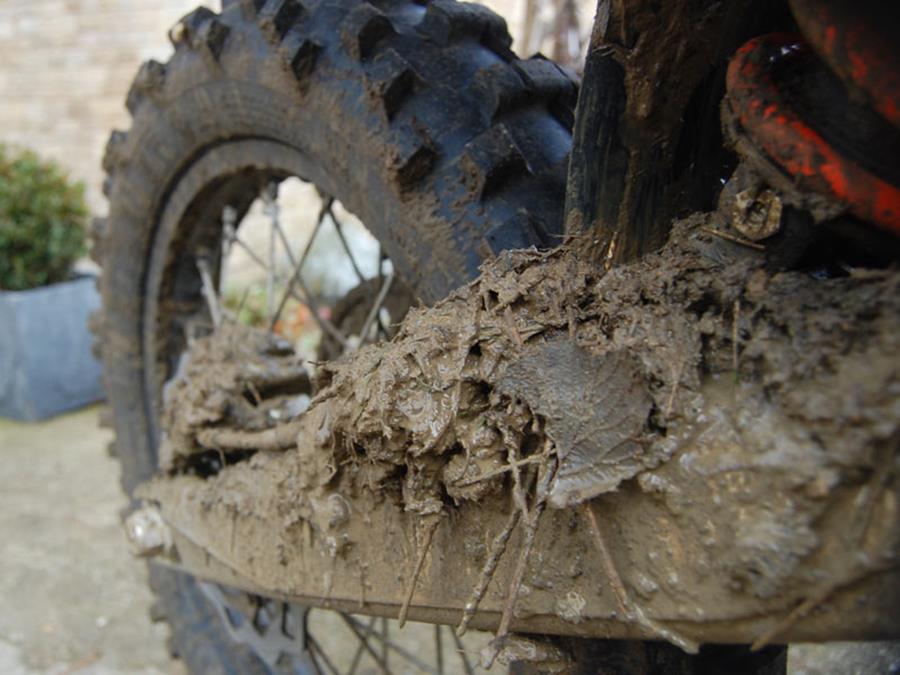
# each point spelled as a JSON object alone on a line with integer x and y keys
{"x": 859, "y": 43}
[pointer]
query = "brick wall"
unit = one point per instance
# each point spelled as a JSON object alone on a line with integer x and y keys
{"x": 65, "y": 67}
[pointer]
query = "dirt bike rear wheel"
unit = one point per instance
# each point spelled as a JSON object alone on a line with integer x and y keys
{"x": 418, "y": 118}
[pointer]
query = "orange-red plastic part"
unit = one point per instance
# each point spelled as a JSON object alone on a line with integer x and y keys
{"x": 797, "y": 148}
{"x": 859, "y": 42}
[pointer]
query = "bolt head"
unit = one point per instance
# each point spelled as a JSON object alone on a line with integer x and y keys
{"x": 147, "y": 532}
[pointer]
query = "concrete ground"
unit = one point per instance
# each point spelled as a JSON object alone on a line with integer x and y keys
{"x": 75, "y": 601}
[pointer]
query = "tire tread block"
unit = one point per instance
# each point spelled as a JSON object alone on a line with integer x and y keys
{"x": 492, "y": 159}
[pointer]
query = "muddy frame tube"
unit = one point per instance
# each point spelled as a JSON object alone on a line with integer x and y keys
{"x": 636, "y": 164}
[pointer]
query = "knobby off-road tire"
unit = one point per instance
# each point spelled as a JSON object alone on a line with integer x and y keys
{"x": 416, "y": 116}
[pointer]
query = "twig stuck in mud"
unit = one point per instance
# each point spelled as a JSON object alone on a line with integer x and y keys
{"x": 612, "y": 574}
{"x": 431, "y": 524}
{"x": 498, "y": 548}
{"x": 518, "y": 494}
{"x": 511, "y": 327}
{"x": 735, "y": 335}
{"x": 735, "y": 239}
{"x": 676, "y": 380}
{"x": 535, "y": 459}
{"x": 531, "y": 518}
{"x": 281, "y": 437}
{"x": 629, "y": 608}
{"x": 516, "y": 582}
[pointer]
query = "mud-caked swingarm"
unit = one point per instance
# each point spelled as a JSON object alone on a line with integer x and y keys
{"x": 687, "y": 448}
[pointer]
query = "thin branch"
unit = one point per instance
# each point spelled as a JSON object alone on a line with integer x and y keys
{"x": 281, "y": 437}
{"x": 628, "y": 608}
{"x": 515, "y": 583}
{"x": 734, "y": 238}
{"x": 498, "y": 548}
{"x": 506, "y": 468}
{"x": 670, "y": 403}
{"x": 735, "y": 336}
{"x": 428, "y": 535}
{"x": 532, "y": 519}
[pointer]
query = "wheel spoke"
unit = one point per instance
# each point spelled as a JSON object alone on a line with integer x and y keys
{"x": 360, "y": 650}
{"x": 339, "y": 228}
{"x": 315, "y": 646}
{"x": 209, "y": 291}
{"x": 235, "y": 239}
{"x": 353, "y": 626}
{"x": 298, "y": 266}
{"x": 229, "y": 232}
{"x": 438, "y": 649}
{"x": 462, "y": 653}
{"x": 393, "y": 646}
{"x": 384, "y": 639}
{"x": 324, "y": 323}
{"x": 289, "y": 291}
{"x": 378, "y": 266}
{"x": 376, "y": 308}
{"x": 270, "y": 199}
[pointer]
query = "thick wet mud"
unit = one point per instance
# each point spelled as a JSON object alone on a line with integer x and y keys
{"x": 737, "y": 431}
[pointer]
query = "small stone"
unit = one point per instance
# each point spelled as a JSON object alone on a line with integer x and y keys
{"x": 570, "y": 607}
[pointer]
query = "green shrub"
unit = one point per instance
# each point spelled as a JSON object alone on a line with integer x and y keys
{"x": 42, "y": 221}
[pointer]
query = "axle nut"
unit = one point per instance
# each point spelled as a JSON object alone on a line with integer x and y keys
{"x": 148, "y": 533}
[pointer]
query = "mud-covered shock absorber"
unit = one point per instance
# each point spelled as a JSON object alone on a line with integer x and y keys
{"x": 817, "y": 114}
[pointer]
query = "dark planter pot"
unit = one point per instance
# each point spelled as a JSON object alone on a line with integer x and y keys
{"x": 46, "y": 364}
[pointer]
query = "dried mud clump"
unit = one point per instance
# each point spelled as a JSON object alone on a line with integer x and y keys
{"x": 237, "y": 379}
{"x": 753, "y": 416}
{"x": 610, "y": 370}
